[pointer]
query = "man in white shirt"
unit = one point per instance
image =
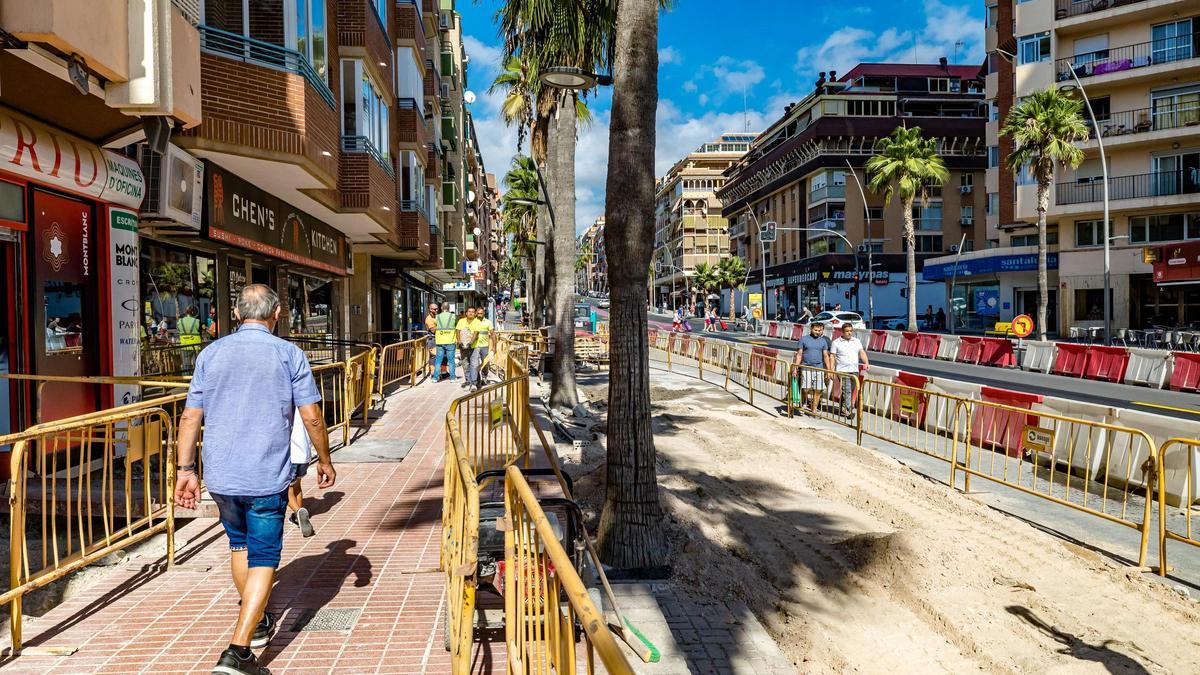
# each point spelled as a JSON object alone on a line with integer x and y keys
{"x": 847, "y": 352}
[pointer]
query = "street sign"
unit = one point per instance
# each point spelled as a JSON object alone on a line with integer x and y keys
{"x": 767, "y": 233}
{"x": 1022, "y": 325}
{"x": 1037, "y": 439}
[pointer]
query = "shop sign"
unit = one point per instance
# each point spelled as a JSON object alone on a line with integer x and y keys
{"x": 46, "y": 155}
{"x": 995, "y": 264}
{"x": 1178, "y": 262}
{"x": 123, "y": 282}
{"x": 1037, "y": 439}
{"x": 459, "y": 287}
{"x": 243, "y": 215}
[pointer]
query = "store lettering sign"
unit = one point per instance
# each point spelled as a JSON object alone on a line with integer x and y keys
{"x": 123, "y": 275}
{"x": 46, "y": 155}
{"x": 243, "y": 215}
{"x": 987, "y": 265}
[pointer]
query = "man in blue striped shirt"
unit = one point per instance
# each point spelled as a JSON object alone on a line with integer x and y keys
{"x": 245, "y": 390}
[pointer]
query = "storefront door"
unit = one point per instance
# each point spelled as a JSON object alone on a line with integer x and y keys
{"x": 65, "y": 317}
{"x": 1027, "y": 303}
{"x": 8, "y": 328}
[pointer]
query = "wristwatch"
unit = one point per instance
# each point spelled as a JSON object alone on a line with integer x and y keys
{"x": 191, "y": 468}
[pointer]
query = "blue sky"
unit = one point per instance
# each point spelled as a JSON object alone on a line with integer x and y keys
{"x": 711, "y": 53}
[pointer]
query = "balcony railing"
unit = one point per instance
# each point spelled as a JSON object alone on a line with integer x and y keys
{"x": 258, "y": 52}
{"x": 1119, "y": 59}
{"x": 364, "y": 144}
{"x": 1067, "y": 8}
{"x": 927, "y": 224}
{"x": 1174, "y": 116}
{"x": 1162, "y": 184}
{"x": 827, "y": 192}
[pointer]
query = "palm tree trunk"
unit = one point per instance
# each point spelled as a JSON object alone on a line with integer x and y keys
{"x": 562, "y": 167}
{"x": 1043, "y": 201}
{"x": 631, "y": 534}
{"x": 537, "y": 289}
{"x": 910, "y": 237}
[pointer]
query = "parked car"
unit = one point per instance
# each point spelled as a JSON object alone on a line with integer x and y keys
{"x": 833, "y": 321}
{"x": 603, "y": 304}
{"x": 894, "y": 324}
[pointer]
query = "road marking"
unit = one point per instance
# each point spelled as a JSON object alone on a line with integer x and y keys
{"x": 757, "y": 342}
{"x": 1189, "y": 411}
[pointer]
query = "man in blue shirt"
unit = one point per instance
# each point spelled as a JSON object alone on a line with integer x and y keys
{"x": 245, "y": 390}
{"x": 812, "y": 355}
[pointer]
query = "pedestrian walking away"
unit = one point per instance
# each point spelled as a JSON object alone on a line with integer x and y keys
{"x": 481, "y": 331}
{"x": 850, "y": 359}
{"x": 444, "y": 337}
{"x": 814, "y": 358}
{"x": 302, "y": 452}
{"x": 464, "y": 338}
{"x": 430, "y": 331}
{"x": 245, "y": 391}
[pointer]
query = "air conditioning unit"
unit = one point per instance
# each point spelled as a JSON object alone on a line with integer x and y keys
{"x": 954, "y": 248}
{"x": 445, "y": 21}
{"x": 966, "y": 189}
{"x": 174, "y": 186}
{"x": 968, "y": 220}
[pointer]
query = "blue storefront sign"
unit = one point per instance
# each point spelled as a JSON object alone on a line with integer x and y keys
{"x": 989, "y": 265}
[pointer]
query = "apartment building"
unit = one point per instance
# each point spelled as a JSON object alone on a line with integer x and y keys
{"x": 689, "y": 227}
{"x": 803, "y": 173}
{"x": 1139, "y": 63}
{"x": 585, "y": 272}
{"x": 83, "y": 82}
{"x": 599, "y": 279}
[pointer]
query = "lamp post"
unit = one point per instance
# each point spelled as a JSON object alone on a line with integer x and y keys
{"x": 867, "y": 245}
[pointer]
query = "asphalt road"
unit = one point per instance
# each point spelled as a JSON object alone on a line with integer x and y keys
{"x": 1181, "y": 405}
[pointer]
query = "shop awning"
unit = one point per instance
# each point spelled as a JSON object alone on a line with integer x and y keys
{"x": 1177, "y": 264}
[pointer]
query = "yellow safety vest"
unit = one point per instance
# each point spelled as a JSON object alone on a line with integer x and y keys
{"x": 189, "y": 330}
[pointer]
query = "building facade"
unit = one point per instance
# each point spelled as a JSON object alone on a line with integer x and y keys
{"x": 585, "y": 270}
{"x": 689, "y": 227}
{"x": 1139, "y": 63}
{"x": 803, "y": 173}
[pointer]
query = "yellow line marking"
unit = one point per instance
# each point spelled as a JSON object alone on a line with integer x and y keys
{"x": 1189, "y": 411}
{"x": 757, "y": 342}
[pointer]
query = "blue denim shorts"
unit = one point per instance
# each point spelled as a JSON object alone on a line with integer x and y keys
{"x": 254, "y": 525}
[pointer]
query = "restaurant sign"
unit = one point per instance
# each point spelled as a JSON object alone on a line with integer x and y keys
{"x": 55, "y": 158}
{"x": 245, "y": 216}
{"x": 1178, "y": 262}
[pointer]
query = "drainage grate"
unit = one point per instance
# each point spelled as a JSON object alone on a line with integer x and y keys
{"x": 326, "y": 619}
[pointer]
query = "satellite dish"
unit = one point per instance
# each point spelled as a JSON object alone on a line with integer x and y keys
{"x": 470, "y": 196}
{"x": 469, "y": 97}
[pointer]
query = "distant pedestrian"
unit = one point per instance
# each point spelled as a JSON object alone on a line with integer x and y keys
{"x": 481, "y": 330}
{"x": 430, "y": 329}
{"x": 847, "y": 352}
{"x": 805, "y": 316}
{"x": 245, "y": 391}
{"x": 463, "y": 338}
{"x": 929, "y": 316}
{"x": 302, "y": 452}
{"x": 444, "y": 338}
{"x": 813, "y": 357}
{"x": 941, "y": 319}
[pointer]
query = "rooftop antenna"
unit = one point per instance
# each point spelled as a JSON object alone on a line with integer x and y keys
{"x": 745, "y": 112}
{"x": 957, "y": 45}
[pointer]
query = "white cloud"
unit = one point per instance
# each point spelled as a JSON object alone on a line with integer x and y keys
{"x": 948, "y": 30}
{"x": 690, "y": 86}
{"x": 734, "y": 76}
{"x": 703, "y": 99}
{"x": 668, "y": 56}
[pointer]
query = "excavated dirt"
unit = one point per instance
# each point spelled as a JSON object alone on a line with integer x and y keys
{"x": 856, "y": 564}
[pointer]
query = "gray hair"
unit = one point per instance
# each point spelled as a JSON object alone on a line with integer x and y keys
{"x": 257, "y": 302}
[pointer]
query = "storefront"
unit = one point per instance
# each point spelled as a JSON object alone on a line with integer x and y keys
{"x": 1171, "y": 298}
{"x": 262, "y": 239}
{"x": 985, "y": 287}
{"x": 63, "y": 205}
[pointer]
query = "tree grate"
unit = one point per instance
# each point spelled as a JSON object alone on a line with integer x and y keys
{"x": 326, "y": 619}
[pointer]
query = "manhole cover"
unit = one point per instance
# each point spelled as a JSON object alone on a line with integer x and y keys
{"x": 326, "y": 619}
{"x": 367, "y": 451}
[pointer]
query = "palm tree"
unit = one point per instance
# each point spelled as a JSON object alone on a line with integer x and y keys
{"x": 510, "y": 273}
{"x": 1044, "y": 128}
{"x": 732, "y": 271}
{"x": 706, "y": 280}
{"x": 520, "y": 220}
{"x": 906, "y": 165}
{"x": 631, "y": 534}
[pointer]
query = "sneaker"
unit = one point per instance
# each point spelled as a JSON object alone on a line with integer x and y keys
{"x": 306, "y": 528}
{"x": 231, "y": 664}
{"x": 264, "y": 631}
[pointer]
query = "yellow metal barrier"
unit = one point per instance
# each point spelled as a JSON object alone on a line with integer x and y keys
{"x": 544, "y": 598}
{"x": 1188, "y": 447}
{"x": 926, "y": 421}
{"x": 400, "y": 360}
{"x": 169, "y": 359}
{"x": 100, "y": 482}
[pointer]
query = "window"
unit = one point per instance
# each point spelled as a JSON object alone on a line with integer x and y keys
{"x": 927, "y": 217}
{"x": 1167, "y": 227}
{"x": 1025, "y": 175}
{"x": 1171, "y": 41}
{"x": 1177, "y": 107}
{"x": 380, "y": 10}
{"x": 926, "y": 244}
{"x": 12, "y": 203}
{"x": 875, "y": 212}
{"x": 968, "y": 215}
{"x": 64, "y": 317}
{"x": 1090, "y": 232}
{"x": 871, "y": 108}
{"x": 1034, "y": 48}
{"x": 993, "y": 111}
{"x": 1032, "y": 239}
{"x": 364, "y": 111}
{"x": 993, "y": 157}
{"x": 966, "y": 180}
{"x": 306, "y": 34}
{"x": 939, "y": 84}
{"x": 310, "y": 305}
{"x": 993, "y": 203}
{"x": 1089, "y": 304}
{"x": 993, "y": 16}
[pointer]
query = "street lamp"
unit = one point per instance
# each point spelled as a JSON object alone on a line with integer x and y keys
{"x": 569, "y": 78}
{"x": 849, "y": 245}
{"x": 867, "y": 244}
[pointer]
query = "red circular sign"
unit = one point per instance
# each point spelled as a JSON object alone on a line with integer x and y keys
{"x": 1022, "y": 325}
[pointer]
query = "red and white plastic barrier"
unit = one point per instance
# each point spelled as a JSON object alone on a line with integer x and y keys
{"x": 1038, "y": 356}
{"x": 1185, "y": 372}
{"x": 1149, "y": 367}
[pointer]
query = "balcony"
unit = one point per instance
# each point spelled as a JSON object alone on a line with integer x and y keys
{"x": 1068, "y": 8}
{"x": 359, "y": 25}
{"x": 410, "y": 30}
{"x": 411, "y": 130}
{"x": 1144, "y": 120}
{"x": 1162, "y": 184}
{"x": 367, "y": 182}
{"x": 822, "y": 228}
{"x": 1132, "y": 57}
{"x": 433, "y": 164}
{"x": 416, "y": 235}
{"x": 450, "y": 133}
{"x": 449, "y": 196}
{"x": 451, "y": 256}
{"x": 827, "y": 192}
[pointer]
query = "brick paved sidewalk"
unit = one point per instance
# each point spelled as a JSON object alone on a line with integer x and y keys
{"x": 376, "y": 550}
